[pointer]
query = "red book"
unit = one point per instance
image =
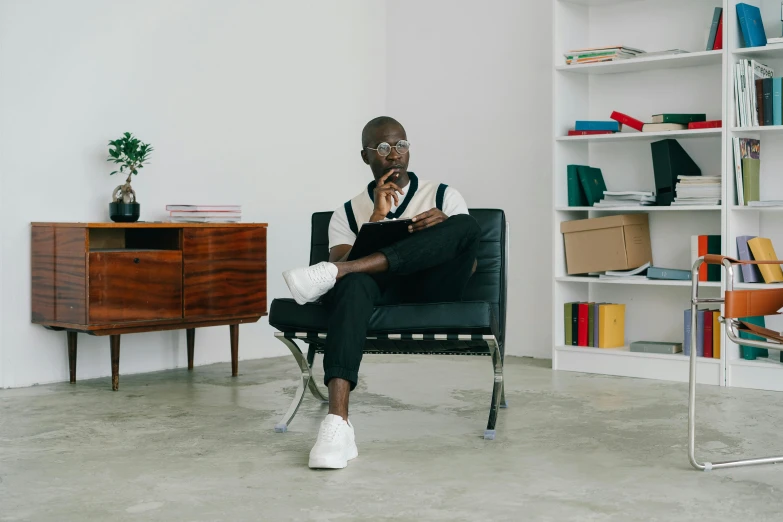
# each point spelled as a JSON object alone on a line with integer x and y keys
{"x": 708, "y": 333}
{"x": 581, "y": 339}
{"x": 719, "y": 35}
{"x": 588, "y": 132}
{"x": 711, "y": 124}
{"x": 624, "y": 119}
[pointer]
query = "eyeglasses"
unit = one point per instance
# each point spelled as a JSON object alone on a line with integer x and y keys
{"x": 384, "y": 149}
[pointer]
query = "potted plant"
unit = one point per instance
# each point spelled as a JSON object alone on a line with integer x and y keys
{"x": 130, "y": 154}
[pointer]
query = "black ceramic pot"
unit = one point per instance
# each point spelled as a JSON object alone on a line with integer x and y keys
{"x": 124, "y": 212}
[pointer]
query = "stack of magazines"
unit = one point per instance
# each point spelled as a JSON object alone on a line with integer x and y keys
{"x": 626, "y": 199}
{"x": 204, "y": 213}
{"x": 600, "y": 54}
{"x": 697, "y": 190}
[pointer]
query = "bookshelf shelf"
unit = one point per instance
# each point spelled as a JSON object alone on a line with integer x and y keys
{"x": 600, "y": 2}
{"x": 653, "y": 208}
{"x": 771, "y": 51}
{"x": 746, "y": 208}
{"x": 764, "y": 129}
{"x": 633, "y": 135}
{"x": 623, "y": 362}
{"x": 637, "y": 282}
{"x": 642, "y": 63}
{"x": 757, "y": 286}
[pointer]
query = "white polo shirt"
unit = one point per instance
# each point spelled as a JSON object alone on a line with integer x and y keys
{"x": 340, "y": 232}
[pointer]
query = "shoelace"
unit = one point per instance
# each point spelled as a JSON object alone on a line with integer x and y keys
{"x": 328, "y": 432}
{"x": 319, "y": 274}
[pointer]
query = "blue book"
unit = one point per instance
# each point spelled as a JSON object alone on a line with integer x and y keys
{"x": 700, "y": 333}
{"x": 656, "y": 272}
{"x": 777, "y": 90}
{"x": 750, "y": 273}
{"x": 714, "y": 27}
{"x": 585, "y": 125}
{"x": 686, "y": 342}
{"x": 752, "y": 28}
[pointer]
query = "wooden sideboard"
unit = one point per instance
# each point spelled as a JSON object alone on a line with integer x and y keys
{"x": 120, "y": 278}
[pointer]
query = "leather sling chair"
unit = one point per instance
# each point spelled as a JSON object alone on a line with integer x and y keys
{"x": 474, "y": 326}
{"x": 737, "y": 304}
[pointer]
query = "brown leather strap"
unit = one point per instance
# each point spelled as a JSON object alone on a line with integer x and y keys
{"x": 717, "y": 259}
{"x": 760, "y": 330}
{"x": 749, "y": 303}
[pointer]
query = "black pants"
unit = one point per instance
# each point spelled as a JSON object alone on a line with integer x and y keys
{"x": 432, "y": 265}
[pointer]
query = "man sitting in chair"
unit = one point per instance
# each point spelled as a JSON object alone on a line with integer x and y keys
{"x": 433, "y": 264}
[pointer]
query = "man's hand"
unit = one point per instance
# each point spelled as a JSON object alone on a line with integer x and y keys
{"x": 384, "y": 194}
{"x": 427, "y": 219}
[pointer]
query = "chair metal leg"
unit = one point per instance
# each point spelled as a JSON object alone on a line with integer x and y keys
{"x": 314, "y": 389}
{"x": 708, "y": 466}
{"x": 307, "y": 378}
{"x": 497, "y": 389}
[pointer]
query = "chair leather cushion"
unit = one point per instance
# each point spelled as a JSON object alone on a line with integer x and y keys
{"x": 467, "y": 317}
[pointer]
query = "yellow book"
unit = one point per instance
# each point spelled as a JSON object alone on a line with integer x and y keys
{"x": 762, "y": 250}
{"x": 715, "y": 335}
{"x": 611, "y": 330}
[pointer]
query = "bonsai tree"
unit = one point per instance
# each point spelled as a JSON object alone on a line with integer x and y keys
{"x": 130, "y": 154}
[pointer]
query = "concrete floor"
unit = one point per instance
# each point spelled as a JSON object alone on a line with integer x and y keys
{"x": 184, "y": 446}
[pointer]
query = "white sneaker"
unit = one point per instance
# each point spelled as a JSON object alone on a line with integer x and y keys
{"x": 336, "y": 444}
{"x": 309, "y": 283}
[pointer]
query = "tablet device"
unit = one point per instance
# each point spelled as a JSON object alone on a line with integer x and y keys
{"x": 379, "y": 234}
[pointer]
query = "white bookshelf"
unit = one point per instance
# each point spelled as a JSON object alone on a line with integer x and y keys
{"x": 697, "y": 82}
{"x": 639, "y": 87}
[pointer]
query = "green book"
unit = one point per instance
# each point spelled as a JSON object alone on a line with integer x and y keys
{"x": 568, "y": 327}
{"x": 590, "y": 323}
{"x": 751, "y": 168}
{"x": 713, "y": 247}
{"x": 750, "y": 352}
{"x": 592, "y": 181}
{"x": 576, "y": 194}
{"x": 684, "y": 119}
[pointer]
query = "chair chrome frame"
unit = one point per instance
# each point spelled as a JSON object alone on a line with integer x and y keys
{"x": 316, "y": 339}
{"x": 732, "y": 331}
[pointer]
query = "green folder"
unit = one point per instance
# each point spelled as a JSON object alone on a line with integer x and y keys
{"x": 576, "y": 194}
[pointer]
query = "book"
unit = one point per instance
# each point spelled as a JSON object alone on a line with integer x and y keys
{"x": 707, "y": 332}
{"x": 777, "y": 90}
{"x": 762, "y": 250}
{"x": 590, "y": 324}
{"x": 611, "y": 320}
{"x": 576, "y": 194}
{"x": 684, "y": 119}
{"x": 750, "y": 353}
{"x": 588, "y": 132}
{"x": 624, "y": 119}
{"x": 656, "y": 272}
{"x": 686, "y": 340}
{"x": 587, "y": 125}
{"x": 655, "y": 347}
{"x": 751, "y": 26}
{"x": 592, "y": 181}
{"x": 716, "y": 334}
{"x": 567, "y": 316}
{"x": 716, "y": 17}
{"x": 663, "y": 127}
{"x": 750, "y": 179}
{"x": 710, "y": 124}
{"x": 583, "y": 325}
{"x": 750, "y": 273}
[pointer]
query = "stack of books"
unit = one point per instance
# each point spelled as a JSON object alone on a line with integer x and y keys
{"x": 626, "y": 198}
{"x": 757, "y": 94}
{"x": 707, "y": 333}
{"x": 596, "y": 325}
{"x": 697, "y": 190}
{"x": 204, "y": 213}
{"x": 600, "y": 54}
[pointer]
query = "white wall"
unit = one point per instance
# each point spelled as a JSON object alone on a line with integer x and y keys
{"x": 471, "y": 83}
{"x": 257, "y": 103}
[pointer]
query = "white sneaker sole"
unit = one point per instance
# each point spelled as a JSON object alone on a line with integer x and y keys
{"x": 332, "y": 462}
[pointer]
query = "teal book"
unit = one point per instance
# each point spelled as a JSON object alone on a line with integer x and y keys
{"x": 592, "y": 181}
{"x": 777, "y": 90}
{"x": 576, "y": 194}
{"x": 750, "y": 353}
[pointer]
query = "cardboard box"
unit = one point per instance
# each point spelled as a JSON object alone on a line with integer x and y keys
{"x": 606, "y": 243}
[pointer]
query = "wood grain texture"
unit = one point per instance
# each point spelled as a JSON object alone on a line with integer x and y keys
{"x": 135, "y": 286}
{"x": 114, "y": 342}
{"x": 191, "y": 336}
{"x": 72, "y": 354}
{"x": 234, "y": 333}
{"x": 58, "y": 275}
{"x": 224, "y": 272}
{"x": 143, "y": 224}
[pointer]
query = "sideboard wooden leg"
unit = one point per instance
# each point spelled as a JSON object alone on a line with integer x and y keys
{"x": 72, "y": 354}
{"x": 191, "y": 333}
{"x": 234, "y": 349}
{"x": 115, "y": 362}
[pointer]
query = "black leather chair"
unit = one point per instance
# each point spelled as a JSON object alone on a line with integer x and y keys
{"x": 474, "y": 326}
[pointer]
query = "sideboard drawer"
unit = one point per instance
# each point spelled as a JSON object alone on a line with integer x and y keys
{"x": 127, "y": 285}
